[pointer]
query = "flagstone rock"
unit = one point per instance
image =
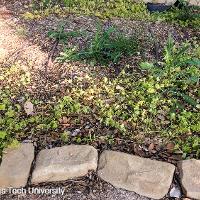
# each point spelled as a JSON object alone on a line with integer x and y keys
{"x": 16, "y": 165}
{"x": 167, "y": 2}
{"x": 146, "y": 177}
{"x": 190, "y": 177}
{"x": 62, "y": 163}
{"x": 194, "y": 2}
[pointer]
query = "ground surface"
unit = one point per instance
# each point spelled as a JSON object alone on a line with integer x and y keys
{"x": 82, "y": 192}
{"x": 26, "y": 42}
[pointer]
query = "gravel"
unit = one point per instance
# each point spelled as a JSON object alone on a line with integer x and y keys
{"x": 108, "y": 192}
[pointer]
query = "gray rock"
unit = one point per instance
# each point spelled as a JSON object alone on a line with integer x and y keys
{"x": 76, "y": 132}
{"x": 190, "y": 177}
{"x": 167, "y": 2}
{"x": 175, "y": 192}
{"x": 64, "y": 163}
{"x": 141, "y": 175}
{"x": 15, "y": 166}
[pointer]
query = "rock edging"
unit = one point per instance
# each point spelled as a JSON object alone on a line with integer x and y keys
{"x": 144, "y": 176}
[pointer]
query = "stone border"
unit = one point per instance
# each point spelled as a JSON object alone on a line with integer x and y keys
{"x": 144, "y": 176}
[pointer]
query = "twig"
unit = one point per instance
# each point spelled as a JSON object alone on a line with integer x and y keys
{"x": 156, "y": 45}
{"x": 50, "y": 56}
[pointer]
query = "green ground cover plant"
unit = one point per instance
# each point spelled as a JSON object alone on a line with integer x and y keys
{"x": 184, "y": 16}
{"x": 102, "y": 8}
{"x": 16, "y": 124}
{"x": 163, "y": 101}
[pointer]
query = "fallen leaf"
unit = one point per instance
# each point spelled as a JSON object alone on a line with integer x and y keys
{"x": 28, "y": 107}
{"x": 65, "y": 122}
{"x": 151, "y": 147}
{"x": 170, "y": 147}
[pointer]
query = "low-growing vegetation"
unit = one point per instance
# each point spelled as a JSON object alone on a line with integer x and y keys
{"x": 163, "y": 99}
{"x": 106, "y": 47}
{"x": 184, "y": 15}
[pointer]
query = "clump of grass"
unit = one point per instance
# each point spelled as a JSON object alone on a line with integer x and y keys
{"x": 106, "y": 47}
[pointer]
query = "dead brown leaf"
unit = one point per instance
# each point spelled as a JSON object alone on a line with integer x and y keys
{"x": 170, "y": 147}
{"x": 65, "y": 122}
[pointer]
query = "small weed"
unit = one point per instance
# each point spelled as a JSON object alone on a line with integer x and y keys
{"x": 65, "y": 136}
{"x": 106, "y": 47}
{"x": 190, "y": 145}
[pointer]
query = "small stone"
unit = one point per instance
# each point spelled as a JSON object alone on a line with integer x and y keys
{"x": 190, "y": 177}
{"x": 146, "y": 177}
{"x": 175, "y": 192}
{"x": 76, "y": 132}
{"x": 170, "y": 147}
{"x": 62, "y": 163}
{"x": 194, "y": 2}
{"x": 16, "y": 165}
{"x": 28, "y": 107}
{"x": 87, "y": 127}
{"x": 151, "y": 147}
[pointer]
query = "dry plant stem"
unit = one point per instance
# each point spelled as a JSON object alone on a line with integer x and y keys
{"x": 156, "y": 45}
{"x": 51, "y": 54}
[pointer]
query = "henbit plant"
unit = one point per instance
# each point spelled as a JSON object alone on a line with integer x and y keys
{"x": 164, "y": 102}
{"x": 106, "y": 47}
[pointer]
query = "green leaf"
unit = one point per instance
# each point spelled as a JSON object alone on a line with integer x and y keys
{"x": 189, "y": 99}
{"x": 146, "y": 65}
{"x": 3, "y": 134}
{"x": 2, "y": 107}
{"x": 195, "y": 62}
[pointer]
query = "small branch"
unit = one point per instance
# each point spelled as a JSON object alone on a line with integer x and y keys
{"x": 156, "y": 45}
{"x": 50, "y": 56}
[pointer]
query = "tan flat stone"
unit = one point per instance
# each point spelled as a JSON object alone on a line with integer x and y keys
{"x": 64, "y": 163}
{"x": 146, "y": 177}
{"x": 16, "y": 165}
{"x": 190, "y": 177}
